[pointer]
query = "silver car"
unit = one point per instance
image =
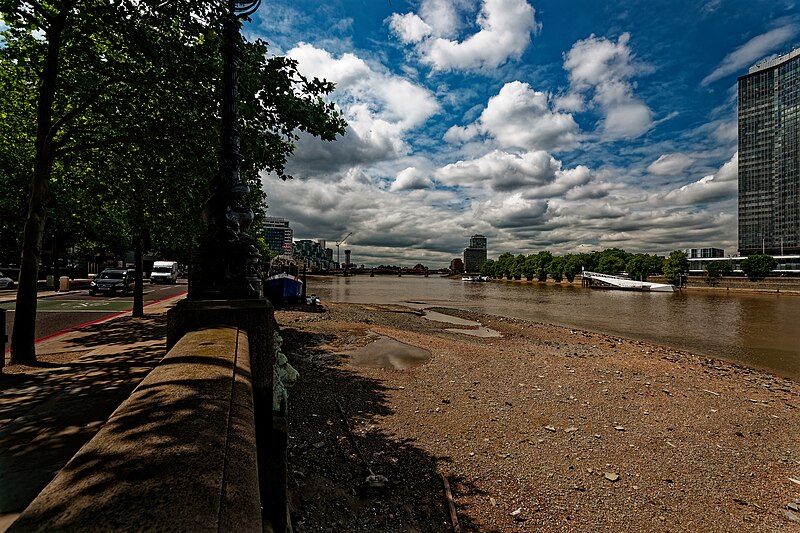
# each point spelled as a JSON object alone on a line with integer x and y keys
{"x": 6, "y": 282}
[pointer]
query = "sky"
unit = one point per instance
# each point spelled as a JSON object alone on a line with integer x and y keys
{"x": 561, "y": 125}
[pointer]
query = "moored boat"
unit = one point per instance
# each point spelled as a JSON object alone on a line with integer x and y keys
{"x": 607, "y": 281}
{"x": 283, "y": 288}
{"x": 475, "y": 278}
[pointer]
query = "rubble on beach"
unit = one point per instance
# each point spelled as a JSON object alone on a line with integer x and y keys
{"x": 541, "y": 428}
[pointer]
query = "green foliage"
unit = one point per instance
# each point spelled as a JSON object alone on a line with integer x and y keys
{"x": 572, "y": 266}
{"x": 504, "y": 265}
{"x": 113, "y": 107}
{"x": 556, "y": 268}
{"x": 640, "y": 266}
{"x": 675, "y": 266}
{"x": 757, "y": 267}
{"x": 488, "y": 268}
{"x": 715, "y": 270}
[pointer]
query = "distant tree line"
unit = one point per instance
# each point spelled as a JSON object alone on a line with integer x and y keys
{"x": 544, "y": 265}
{"x": 614, "y": 261}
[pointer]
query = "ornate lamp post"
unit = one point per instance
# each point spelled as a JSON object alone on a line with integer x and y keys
{"x": 226, "y": 266}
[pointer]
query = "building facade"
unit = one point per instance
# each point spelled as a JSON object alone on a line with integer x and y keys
{"x": 704, "y": 253}
{"x": 457, "y": 265}
{"x": 313, "y": 254}
{"x": 475, "y": 253}
{"x": 769, "y": 157}
{"x": 278, "y": 235}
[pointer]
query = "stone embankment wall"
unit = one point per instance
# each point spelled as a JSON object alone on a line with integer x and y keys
{"x": 179, "y": 454}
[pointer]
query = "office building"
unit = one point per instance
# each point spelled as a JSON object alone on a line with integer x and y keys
{"x": 278, "y": 235}
{"x": 704, "y": 253}
{"x": 313, "y": 254}
{"x": 475, "y": 253}
{"x": 769, "y": 157}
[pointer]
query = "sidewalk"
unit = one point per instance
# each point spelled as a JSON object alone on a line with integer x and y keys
{"x": 49, "y": 411}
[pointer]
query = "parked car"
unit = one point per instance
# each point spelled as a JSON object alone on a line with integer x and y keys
{"x": 113, "y": 280}
{"x": 6, "y": 282}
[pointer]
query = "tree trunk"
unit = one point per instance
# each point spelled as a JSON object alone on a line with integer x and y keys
{"x": 138, "y": 291}
{"x": 23, "y": 336}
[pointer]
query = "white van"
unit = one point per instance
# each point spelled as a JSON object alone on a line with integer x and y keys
{"x": 164, "y": 272}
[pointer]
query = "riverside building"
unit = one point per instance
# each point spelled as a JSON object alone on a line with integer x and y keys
{"x": 475, "y": 253}
{"x": 278, "y": 235}
{"x": 769, "y": 157}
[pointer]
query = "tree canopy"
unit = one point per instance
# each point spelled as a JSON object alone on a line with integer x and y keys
{"x": 757, "y": 267}
{"x": 110, "y": 126}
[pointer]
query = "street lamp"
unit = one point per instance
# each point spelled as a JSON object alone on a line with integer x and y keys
{"x": 227, "y": 264}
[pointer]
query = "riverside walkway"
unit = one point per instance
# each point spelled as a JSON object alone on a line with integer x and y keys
{"x": 49, "y": 411}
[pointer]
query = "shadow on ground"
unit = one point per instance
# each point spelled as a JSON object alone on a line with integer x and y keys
{"x": 333, "y": 448}
{"x": 48, "y": 411}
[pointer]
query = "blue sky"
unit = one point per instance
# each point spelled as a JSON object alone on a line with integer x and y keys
{"x": 543, "y": 124}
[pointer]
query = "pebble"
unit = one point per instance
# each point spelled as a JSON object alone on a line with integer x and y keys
{"x": 611, "y": 476}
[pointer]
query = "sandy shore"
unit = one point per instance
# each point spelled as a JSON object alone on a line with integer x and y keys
{"x": 541, "y": 429}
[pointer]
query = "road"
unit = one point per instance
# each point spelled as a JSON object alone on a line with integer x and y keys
{"x": 61, "y": 312}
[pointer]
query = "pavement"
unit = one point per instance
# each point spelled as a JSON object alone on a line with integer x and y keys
{"x": 49, "y": 411}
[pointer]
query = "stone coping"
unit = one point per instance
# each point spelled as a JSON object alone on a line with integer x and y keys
{"x": 179, "y": 454}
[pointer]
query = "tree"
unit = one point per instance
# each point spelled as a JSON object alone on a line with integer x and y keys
{"x": 517, "y": 267}
{"x": 757, "y": 267}
{"x": 611, "y": 264}
{"x": 715, "y": 270}
{"x": 104, "y": 80}
{"x": 504, "y": 265}
{"x": 556, "y": 268}
{"x": 675, "y": 266}
{"x": 638, "y": 267}
{"x": 572, "y": 266}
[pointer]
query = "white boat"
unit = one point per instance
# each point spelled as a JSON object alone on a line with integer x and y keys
{"x": 607, "y": 281}
{"x": 475, "y": 278}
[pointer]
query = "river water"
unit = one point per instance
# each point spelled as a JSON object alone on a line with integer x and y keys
{"x": 756, "y": 330}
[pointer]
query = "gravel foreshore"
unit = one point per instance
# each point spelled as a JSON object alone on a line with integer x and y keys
{"x": 542, "y": 428}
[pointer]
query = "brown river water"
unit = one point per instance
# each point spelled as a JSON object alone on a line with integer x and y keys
{"x": 755, "y": 330}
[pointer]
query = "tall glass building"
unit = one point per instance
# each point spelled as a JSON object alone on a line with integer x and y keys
{"x": 475, "y": 254}
{"x": 278, "y": 235}
{"x": 769, "y": 164}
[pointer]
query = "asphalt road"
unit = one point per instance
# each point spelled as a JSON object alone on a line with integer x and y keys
{"x": 62, "y": 312}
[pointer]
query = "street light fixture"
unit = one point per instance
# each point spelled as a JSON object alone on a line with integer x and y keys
{"x": 227, "y": 264}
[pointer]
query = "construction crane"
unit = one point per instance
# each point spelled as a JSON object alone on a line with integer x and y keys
{"x": 337, "y": 248}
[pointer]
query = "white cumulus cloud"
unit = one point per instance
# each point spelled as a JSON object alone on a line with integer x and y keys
{"x": 670, "y": 164}
{"x": 380, "y": 108}
{"x": 712, "y": 188}
{"x": 756, "y": 48}
{"x": 505, "y": 33}
{"x": 604, "y": 68}
{"x": 411, "y": 178}
{"x": 520, "y": 117}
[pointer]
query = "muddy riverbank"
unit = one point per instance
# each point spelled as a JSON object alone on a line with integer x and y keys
{"x": 544, "y": 428}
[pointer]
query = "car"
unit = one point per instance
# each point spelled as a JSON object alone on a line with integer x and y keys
{"x": 6, "y": 282}
{"x": 113, "y": 280}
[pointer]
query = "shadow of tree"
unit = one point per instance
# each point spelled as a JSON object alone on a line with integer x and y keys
{"x": 328, "y": 466}
{"x": 49, "y": 411}
{"x": 165, "y": 449}
{"x": 122, "y": 331}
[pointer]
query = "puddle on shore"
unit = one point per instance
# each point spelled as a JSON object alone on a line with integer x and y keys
{"x": 441, "y": 317}
{"x": 389, "y": 353}
{"x": 479, "y": 331}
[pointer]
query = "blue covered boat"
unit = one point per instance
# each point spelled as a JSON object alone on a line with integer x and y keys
{"x": 283, "y": 288}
